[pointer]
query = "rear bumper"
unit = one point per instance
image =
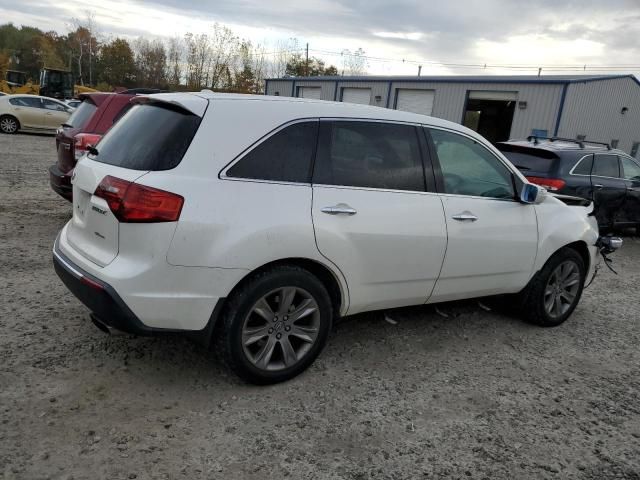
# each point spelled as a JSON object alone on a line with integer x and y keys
{"x": 99, "y": 297}
{"x": 60, "y": 182}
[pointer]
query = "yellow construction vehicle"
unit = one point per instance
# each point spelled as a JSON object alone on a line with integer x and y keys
{"x": 54, "y": 83}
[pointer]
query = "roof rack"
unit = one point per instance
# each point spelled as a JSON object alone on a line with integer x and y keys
{"x": 535, "y": 139}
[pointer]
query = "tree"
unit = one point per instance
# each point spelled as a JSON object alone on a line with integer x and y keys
{"x": 354, "y": 63}
{"x": 198, "y": 56}
{"x": 298, "y": 67}
{"x": 175, "y": 53}
{"x": 223, "y": 48}
{"x": 116, "y": 65}
{"x": 150, "y": 63}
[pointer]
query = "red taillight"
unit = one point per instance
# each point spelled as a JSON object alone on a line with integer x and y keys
{"x": 82, "y": 141}
{"x": 551, "y": 184}
{"x": 134, "y": 203}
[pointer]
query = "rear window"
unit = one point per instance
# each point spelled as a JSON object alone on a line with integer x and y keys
{"x": 148, "y": 137}
{"x": 80, "y": 117}
{"x": 539, "y": 161}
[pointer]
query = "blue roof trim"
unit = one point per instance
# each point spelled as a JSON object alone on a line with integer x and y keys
{"x": 553, "y": 80}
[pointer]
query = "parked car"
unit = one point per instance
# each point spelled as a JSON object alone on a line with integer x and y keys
{"x": 73, "y": 103}
{"x": 31, "y": 113}
{"x": 89, "y": 122}
{"x": 255, "y": 222}
{"x": 590, "y": 170}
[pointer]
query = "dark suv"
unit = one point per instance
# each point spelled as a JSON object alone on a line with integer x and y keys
{"x": 91, "y": 120}
{"x": 591, "y": 170}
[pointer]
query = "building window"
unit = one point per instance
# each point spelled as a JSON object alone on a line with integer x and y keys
{"x": 634, "y": 149}
{"x": 614, "y": 143}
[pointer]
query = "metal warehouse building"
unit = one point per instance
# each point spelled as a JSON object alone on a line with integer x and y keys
{"x": 602, "y": 108}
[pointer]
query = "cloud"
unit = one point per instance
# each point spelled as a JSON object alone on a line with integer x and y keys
{"x": 465, "y": 31}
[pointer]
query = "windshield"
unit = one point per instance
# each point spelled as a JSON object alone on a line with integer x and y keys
{"x": 81, "y": 116}
{"x": 148, "y": 137}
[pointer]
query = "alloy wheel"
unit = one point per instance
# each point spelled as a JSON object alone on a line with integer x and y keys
{"x": 281, "y": 328}
{"x": 8, "y": 125}
{"x": 561, "y": 289}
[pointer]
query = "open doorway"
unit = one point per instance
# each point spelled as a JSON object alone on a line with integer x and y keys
{"x": 490, "y": 114}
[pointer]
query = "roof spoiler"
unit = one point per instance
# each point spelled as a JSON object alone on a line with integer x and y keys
{"x": 193, "y": 104}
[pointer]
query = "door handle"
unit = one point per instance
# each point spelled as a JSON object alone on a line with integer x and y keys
{"x": 340, "y": 209}
{"x": 465, "y": 216}
{"x": 598, "y": 186}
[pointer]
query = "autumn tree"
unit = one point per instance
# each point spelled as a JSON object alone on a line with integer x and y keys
{"x": 116, "y": 64}
{"x": 150, "y": 63}
{"x": 299, "y": 67}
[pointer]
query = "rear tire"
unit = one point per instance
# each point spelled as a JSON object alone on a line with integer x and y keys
{"x": 554, "y": 292}
{"x": 9, "y": 124}
{"x": 275, "y": 325}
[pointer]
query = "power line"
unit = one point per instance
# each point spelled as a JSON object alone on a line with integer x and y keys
{"x": 484, "y": 66}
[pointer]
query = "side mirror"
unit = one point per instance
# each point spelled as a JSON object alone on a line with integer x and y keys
{"x": 532, "y": 193}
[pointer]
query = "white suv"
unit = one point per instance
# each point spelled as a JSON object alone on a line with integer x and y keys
{"x": 256, "y": 221}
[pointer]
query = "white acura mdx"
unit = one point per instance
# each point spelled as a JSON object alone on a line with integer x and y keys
{"x": 255, "y": 222}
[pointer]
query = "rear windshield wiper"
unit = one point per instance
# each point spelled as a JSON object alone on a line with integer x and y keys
{"x": 92, "y": 150}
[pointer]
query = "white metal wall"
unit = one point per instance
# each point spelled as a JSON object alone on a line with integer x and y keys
{"x": 591, "y": 109}
{"x": 594, "y": 109}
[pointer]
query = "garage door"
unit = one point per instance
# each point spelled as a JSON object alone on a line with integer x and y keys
{"x": 416, "y": 101}
{"x": 357, "y": 95}
{"x": 309, "y": 92}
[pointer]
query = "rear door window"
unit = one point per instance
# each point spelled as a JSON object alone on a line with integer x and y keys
{"x": 606, "y": 166}
{"x": 285, "y": 156}
{"x": 81, "y": 116}
{"x": 369, "y": 154}
{"x": 151, "y": 136}
{"x": 631, "y": 169}
{"x": 584, "y": 166}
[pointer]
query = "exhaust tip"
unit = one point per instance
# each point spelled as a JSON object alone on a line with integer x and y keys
{"x": 104, "y": 327}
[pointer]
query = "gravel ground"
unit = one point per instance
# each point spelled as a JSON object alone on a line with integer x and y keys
{"x": 474, "y": 395}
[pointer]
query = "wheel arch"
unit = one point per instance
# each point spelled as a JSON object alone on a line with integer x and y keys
{"x": 583, "y": 250}
{"x": 336, "y": 287}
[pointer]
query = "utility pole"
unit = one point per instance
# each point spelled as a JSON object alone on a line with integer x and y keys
{"x": 419, "y": 69}
{"x": 306, "y": 65}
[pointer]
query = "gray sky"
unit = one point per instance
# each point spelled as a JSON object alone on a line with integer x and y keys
{"x": 531, "y": 32}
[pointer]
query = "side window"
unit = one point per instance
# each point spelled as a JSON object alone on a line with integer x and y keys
{"x": 285, "y": 156}
{"x": 369, "y": 154}
{"x": 606, "y": 166}
{"x": 51, "y": 105}
{"x": 584, "y": 166}
{"x": 468, "y": 168}
{"x": 631, "y": 169}
{"x": 25, "y": 102}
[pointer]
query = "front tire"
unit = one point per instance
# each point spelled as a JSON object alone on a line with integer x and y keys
{"x": 554, "y": 292}
{"x": 275, "y": 325}
{"x": 9, "y": 124}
